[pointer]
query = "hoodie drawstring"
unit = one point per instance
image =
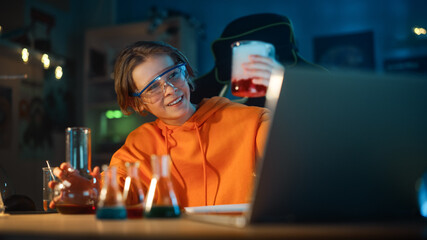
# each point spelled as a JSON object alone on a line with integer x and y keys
{"x": 166, "y": 134}
{"x": 167, "y": 140}
{"x": 205, "y": 181}
{"x": 204, "y": 163}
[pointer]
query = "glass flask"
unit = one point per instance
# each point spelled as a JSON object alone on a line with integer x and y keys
{"x": 78, "y": 149}
{"x": 161, "y": 199}
{"x": 110, "y": 205}
{"x": 133, "y": 193}
{"x": 78, "y": 192}
{"x": 422, "y": 195}
{"x": 2, "y": 208}
{"x": 243, "y": 82}
{"x": 6, "y": 188}
{"x": 5, "y": 191}
{"x": 47, "y": 191}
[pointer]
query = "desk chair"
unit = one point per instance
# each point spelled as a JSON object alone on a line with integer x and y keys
{"x": 267, "y": 27}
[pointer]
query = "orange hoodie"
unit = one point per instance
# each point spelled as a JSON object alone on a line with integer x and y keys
{"x": 213, "y": 154}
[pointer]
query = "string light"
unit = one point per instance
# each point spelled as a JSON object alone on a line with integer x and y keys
{"x": 45, "y": 60}
{"x": 111, "y": 114}
{"x": 25, "y": 55}
{"x": 48, "y": 61}
{"x": 58, "y": 72}
{"x": 419, "y": 31}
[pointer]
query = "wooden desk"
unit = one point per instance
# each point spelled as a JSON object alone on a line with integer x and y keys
{"x": 57, "y": 226}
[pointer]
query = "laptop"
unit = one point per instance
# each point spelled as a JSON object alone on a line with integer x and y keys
{"x": 342, "y": 146}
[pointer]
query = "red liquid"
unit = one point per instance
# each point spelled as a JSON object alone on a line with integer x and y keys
{"x": 245, "y": 88}
{"x": 75, "y": 209}
{"x": 135, "y": 212}
{"x": 45, "y": 205}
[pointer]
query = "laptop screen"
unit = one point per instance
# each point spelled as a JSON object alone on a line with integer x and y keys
{"x": 343, "y": 146}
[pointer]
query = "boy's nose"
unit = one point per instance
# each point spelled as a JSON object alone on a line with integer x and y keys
{"x": 168, "y": 84}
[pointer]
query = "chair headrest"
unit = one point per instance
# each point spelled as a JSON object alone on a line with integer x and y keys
{"x": 267, "y": 27}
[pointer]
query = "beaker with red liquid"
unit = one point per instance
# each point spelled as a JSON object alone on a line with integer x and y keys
{"x": 242, "y": 82}
{"x": 78, "y": 192}
{"x": 133, "y": 192}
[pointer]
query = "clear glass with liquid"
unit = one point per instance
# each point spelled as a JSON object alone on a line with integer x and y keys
{"x": 133, "y": 192}
{"x": 242, "y": 81}
{"x": 78, "y": 193}
{"x": 2, "y": 208}
{"x": 161, "y": 201}
{"x": 111, "y": 204}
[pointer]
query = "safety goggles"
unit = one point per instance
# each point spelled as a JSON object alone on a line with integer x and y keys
{"x": 154, "y": 91}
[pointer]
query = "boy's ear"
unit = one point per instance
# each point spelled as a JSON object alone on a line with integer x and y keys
{"x": 139, "y": 108}
{"x": 142, "y": 111}
{"x": 137, "y": 105}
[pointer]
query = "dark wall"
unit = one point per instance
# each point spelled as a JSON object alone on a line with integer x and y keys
{"x": 390, "y": 20}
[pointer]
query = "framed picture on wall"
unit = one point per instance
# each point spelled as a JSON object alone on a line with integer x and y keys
{"x": 353, "y": 51}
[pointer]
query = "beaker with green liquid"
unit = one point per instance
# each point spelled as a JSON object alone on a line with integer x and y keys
{"x": 161, "y": 201}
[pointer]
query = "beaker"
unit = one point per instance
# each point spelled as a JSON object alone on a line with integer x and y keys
{"x": 47, "y": 191}
{"x": 78, "y": 149}
{"x": 242, "y": 81}
{"x": 161, "y": 199}
{"x": 133, "y": 193}
{"x": 2, "y": 208}
{"x": 3, "y": 189}
{"x": 78, "y": 193}
{"x": 110, "y": 205}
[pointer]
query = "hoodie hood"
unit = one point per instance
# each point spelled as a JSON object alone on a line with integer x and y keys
{"x": 205, "y": 110}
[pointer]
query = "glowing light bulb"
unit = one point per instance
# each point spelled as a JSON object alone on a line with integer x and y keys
{"x": 112, "y": 114}
{"x": 109, "y": 114}
{"x": 419, "y": 31}
{"x": 118, "y": 114}
{"x": 45, "y": 60}
{"x": 25, "y": 55}
{"x": 58, "y": 72}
